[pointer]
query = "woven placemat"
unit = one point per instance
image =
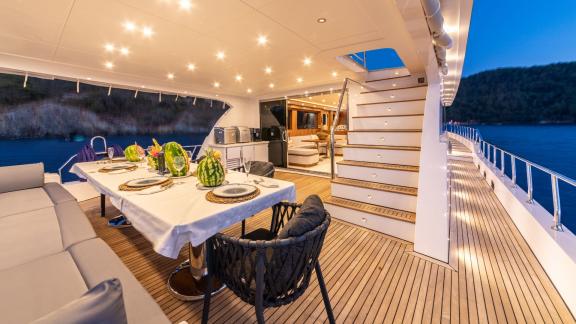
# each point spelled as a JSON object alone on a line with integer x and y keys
{"x": 132, "y": 168}
{"x": 125, "y": 187}
{"x": 211, "y": 197}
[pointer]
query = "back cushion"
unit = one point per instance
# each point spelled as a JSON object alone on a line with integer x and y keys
{"x": 20, "y": 177}
{"x": 310, "y": 216}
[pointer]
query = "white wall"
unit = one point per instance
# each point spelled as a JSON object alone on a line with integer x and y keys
{"x": 431, "y": 236}
{"x": 556, "y": 251}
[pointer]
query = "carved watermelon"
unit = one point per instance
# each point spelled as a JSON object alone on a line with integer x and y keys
{"x": 172, "y": 150}
{"x": 210, "y": 171}
{"x": 133, "y": 153}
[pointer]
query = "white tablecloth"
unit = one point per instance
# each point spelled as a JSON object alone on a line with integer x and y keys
{"x": 180, "y": 214}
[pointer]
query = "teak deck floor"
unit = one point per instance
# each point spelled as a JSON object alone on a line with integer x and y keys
{"x": 373, "y": 278}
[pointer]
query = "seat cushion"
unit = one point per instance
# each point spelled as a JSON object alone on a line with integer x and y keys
{"x": 308, "y": 217}
{"x": 23, "y": 201}
{"x": 29, "y": 236}
{"x": 57, "y": 193}
{"x": 74, "y": 225}
{"x": 302, "y": 151}
{"x": 101, "y": 304}
{"x": 97, "y": 262}
{"x": 21, "y": 177}
{"x": 34, "y": 289}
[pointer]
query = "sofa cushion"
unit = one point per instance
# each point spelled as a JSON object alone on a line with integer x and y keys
{"x": 101, "y": 304}
{"x": 97, "y": 262}
{"x": 74, "y": 225}
{"x": 29, "y": 236}
{"x": 302, "y": 151}
{"x": 23, "y": 201}
{"x": 34, "y": 289}
{"x": 308, "y": 217}
{"x": 57, "y": 193}
{"x": 21, "y": 177}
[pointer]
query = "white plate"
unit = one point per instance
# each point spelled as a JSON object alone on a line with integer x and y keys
{"x": 202, "y": 187}
{"x": 119, "y": 166}
{"x": 153, "y": 190}
{"x": 145, "y": 182}
{"x": 234, "y": 190}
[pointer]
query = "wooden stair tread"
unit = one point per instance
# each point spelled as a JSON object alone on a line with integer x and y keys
{"x": 379, "y": 116}
{"x": 390, "y": 101}
{"x": 387, "y": 130}
{"x": 397, "y": 214}
{"x": 411, "y": 191}
{"x": 377, "y": 165}
{"x": 384, "y": 147}
{"x": 396, "y": 88}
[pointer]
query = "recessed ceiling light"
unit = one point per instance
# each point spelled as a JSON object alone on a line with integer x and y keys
{"x": 238, "y": 77}
{"x": 334, "y": 73}
{"x": 191, "y": 66}
{"x": 262, "y": 40}
{"x": 216, "y": 84}
{"x": 109, "y": 47}
{"x": 185, "y": 5}
{"x": 129, "y": 26}
{"x": 307, "y": 61}
{"x": 170, "y": 76}
{"x": 299, "y": 80}
{"x": 268, "y": 70}
{"x": 321, "y": 20}
{"x": 147, "y": 32}
{"x": 392, "y": 96}
{"x": 124, "y": 51}
{"x": 109, "y": 65}
{"x": 249, "y": 90}
{"x": 396, "y": 73}
{"x": 306, "y": 93}
{"x": 393, "y": 84}
{"x": 220, "y": 55}
{"x": 323, "y": 100}
{"x": 271, "y": 85}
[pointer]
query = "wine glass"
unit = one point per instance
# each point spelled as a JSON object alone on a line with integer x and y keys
{"x": 189, "y": 153}
{"x": 179, "y": 163}
{"x": 110, "y": 152}
{"x": 247, "y": 163}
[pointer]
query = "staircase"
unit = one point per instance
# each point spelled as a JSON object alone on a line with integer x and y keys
{"x": 376, "y": 183}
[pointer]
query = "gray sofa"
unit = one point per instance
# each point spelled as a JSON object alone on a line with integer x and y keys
{"x": 50, "y": 255}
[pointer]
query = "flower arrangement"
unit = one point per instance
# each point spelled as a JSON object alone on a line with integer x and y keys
{"x": 153, "y": 152}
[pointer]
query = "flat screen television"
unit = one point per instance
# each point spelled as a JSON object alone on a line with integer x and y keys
{"x": 307, "y": 120}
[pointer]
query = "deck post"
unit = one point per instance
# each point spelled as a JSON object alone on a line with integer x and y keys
{"x": 530, "y": 190}
{"x": 513, "y": 165}
{"x": 557, "y": 208}
{"x": 502, "y": 163}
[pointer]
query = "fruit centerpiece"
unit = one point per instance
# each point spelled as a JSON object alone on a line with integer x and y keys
{"x": 134, "y": 153}
{"x": 171, "y": 151}
{"x": 153, "y": 152}
{"x": 210, "y": 171}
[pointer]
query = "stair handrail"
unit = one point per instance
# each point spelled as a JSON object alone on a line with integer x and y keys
{"x": 335, "y": 124}
{"x": 489, "y": 153}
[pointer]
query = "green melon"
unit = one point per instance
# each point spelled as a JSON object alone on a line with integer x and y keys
{"x": 210, "y": 171}
{"x": 133, "y": 152}
{"x": 172, "y": 150}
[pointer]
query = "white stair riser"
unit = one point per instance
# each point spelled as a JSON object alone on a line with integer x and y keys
{"x": 385, "y": 138}
{"x": 375, "y": 197}
{"x": 393, "y": 108}
{"x": 393, "y": 83}
{"x": 389, "y": 226}
{"x": 382, "y": 156}
{"x": 392, "y": 95}
{"x": 390, "y": 122}
{"x": 395, "y": 177}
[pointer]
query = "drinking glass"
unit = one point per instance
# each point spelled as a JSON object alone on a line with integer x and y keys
{"x": 247, "y": 163}
{"x": 179, "y": 163}
{"x": 110, "y": 152}
{"x": 189, "y": 155}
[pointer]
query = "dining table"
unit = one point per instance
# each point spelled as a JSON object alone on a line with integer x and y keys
{"x": 179, "y": 215}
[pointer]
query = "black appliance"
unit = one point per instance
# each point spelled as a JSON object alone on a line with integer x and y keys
{"x": 256, "y": 134}
{"x": 273, "y": 118}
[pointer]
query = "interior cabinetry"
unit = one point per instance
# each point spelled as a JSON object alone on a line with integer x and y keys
{"x": 231, "y": 153}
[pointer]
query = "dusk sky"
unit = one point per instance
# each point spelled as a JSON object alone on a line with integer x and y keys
{"x": 510, "y": 33}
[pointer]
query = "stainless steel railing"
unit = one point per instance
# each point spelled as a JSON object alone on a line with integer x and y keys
{"x": 490, "y": 153}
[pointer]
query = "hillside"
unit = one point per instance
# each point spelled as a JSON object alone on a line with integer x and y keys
{"x": 539, "y": 94}
{"x": 53, "y": 108}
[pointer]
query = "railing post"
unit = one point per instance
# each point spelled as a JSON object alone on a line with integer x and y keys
{"x": 494, "y": 159}
{"x": 502, "y": 163}
{"x": 557, "y": 207}
{"x": 513, "y": 165}
{"x": 530, "y": 191}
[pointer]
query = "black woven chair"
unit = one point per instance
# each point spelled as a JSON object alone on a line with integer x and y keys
{"x": 268, "y": 273}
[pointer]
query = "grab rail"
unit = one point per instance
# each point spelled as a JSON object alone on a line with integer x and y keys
{"x": 489, "y": 154}
{"x": 335, "y": 124}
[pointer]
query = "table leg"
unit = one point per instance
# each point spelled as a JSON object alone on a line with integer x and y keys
{"x": 188, "y": 282}
{"x": 102, "y": 205}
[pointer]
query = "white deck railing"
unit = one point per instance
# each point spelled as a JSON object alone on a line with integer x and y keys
{"x": 490, "y": 155}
